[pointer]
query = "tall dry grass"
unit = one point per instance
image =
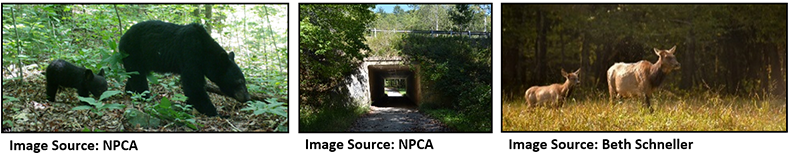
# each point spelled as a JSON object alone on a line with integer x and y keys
{"x": 703, "y": 111}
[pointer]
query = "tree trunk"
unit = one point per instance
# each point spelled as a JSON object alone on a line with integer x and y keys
{"x": 207, "y": 13}
{"x": 196, "y": 12}
{"x": 585, "y": 57}
{"x": 599, "y": 66}
{"x": 776, "y": 71}
{"x": 118, "y": 15}
{"x": 562, "y": 49}
{"x": 271, "y": 36}
{"x": 18, "y": 45}
{"x": 687, "y": 61}
{"x": 541, "y": 46}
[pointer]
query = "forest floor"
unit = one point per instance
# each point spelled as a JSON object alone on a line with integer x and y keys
{"x": 692, "y": 112}
{"x": 398, "y": 115}
{"x": 33, "y": 113}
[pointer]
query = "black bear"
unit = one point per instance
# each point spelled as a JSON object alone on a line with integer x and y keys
{"x": 187, "y": 50}
{"x": 62, "y": 73}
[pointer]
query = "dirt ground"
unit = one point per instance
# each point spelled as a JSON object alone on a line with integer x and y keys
{"x": 397, "y": 115}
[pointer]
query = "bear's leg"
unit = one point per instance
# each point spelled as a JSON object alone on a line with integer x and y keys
{"x": 52, "y": 90}
{"x": 194, "y": 88}
{"x": 83, "y": 92}
{"x": 137, "y": 83}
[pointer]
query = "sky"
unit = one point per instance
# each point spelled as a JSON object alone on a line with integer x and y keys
{"x": 389, "y": 7}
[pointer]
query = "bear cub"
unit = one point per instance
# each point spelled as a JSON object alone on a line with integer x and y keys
{"x": 61, "y": 73}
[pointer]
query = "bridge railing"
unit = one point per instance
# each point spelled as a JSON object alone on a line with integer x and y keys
{"x": 432, "y": 32}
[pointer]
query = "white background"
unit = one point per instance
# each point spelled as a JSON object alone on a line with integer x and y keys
{"x": 294, "y": 142}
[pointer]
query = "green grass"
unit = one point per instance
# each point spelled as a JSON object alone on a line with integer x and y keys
{"x": 459, "y": 121}
{"x": 694, "y": 112}
{"x": 328, "y": 119}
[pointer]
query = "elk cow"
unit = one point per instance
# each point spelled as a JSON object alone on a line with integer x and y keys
{"x": 640, "y": 78}
{"x": 554, "y": 93}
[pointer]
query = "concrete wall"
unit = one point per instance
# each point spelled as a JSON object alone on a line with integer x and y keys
{"x": 358, "y": 88}
{"x": 413, "y": 89}
{"x": 376, "y": 85}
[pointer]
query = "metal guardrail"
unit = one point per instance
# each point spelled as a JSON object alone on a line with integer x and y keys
{"x": 432, "y": 32}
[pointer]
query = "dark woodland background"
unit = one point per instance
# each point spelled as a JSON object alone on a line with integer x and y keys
{"x": 729, "y": 49}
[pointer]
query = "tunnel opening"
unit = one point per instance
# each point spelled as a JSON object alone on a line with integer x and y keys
{"x": 393, "y": 86}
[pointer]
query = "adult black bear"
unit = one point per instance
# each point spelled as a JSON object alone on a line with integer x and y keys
{"x": 61, "y": 73}
{"x": 187, "y": 50}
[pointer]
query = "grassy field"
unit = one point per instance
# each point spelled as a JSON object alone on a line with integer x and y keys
{"x": 701, "y": 112}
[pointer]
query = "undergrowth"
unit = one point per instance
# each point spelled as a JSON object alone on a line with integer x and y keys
{"x": 328, "y": 118}
{"x": 460, "y": 121}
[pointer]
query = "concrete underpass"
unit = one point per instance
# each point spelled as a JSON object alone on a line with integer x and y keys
{"x": 390, "y": 96}
{"x": 394, "y": 107}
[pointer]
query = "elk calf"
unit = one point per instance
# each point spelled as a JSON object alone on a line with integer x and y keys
{"x": 554, "y": 93}
{"x": 640, "y": 78}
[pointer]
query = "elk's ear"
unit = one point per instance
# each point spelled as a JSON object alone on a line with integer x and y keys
{"x": 564, "y": 73}
{"x": 672, "y": 51}
{"x": 577, "y": 71}
{"x": 658, "y": 52}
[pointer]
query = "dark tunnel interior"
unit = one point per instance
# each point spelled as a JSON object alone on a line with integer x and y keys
{"x": 383, "y": 96}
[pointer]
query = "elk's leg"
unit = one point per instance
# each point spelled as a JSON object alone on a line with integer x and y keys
{"x": 560, "y": 102}
{"x": 611, "y": 95}
{"x": 612, "y": 90}
{"x": 647, "y": 103}
{"x": 527, "y": 99}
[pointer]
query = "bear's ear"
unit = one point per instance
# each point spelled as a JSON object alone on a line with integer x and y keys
{"x": 231, "y": 56}
{"x": 88, "y": 75}
{"x": 101, "y": 73}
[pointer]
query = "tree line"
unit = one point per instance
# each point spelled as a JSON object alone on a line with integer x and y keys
{"x": 727, "y": 48}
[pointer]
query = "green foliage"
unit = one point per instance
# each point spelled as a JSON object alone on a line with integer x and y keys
{"x": 436, "y": 17}
{"x": 176, "y": 113}
{"x": 88, "y": 35}
{"x": 276, "y": 108}
{"x": 331, "y": 41}
{"x": 9, "y": 123}
{"x": 9, "y": 99}
{"x": 458, "y": 121}
{"x": 458, "y": 70}
{"x": 461, "y": 15}
{"x": 116, "y": 70}
{"x": 139, "y": 97}
{"x": 99, "y": 106}
{"x": 94, "y": 130}
{"x": 424, "y": 18}
{"x": 283, "y": 126}
{"x": 179, "y": 97}
{"x": 275, "y": 85}
{"x": 383, "y": 44}
{"x": 314, "y": 118}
